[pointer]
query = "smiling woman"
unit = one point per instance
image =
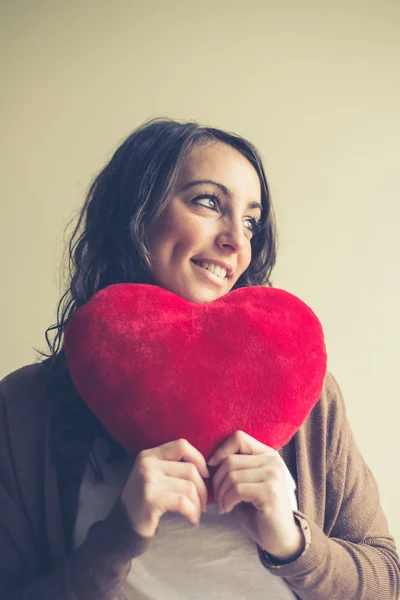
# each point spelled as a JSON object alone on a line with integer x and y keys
{"x": 185, "y": 208}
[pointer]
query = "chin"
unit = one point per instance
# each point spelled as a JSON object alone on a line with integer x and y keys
{"x": 198, "y": 294}
{"x": 203, "y": 296}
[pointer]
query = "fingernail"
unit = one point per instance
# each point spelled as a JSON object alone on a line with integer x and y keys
{"x": 212, "y": 462}
{"x": 207, "y": 474}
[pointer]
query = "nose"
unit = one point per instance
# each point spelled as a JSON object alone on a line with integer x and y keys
{"x": 232, "y": 237}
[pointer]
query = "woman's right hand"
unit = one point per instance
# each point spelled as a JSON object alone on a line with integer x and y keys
{"x": 163, "y": 479}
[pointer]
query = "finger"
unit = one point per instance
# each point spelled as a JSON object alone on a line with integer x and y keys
{"x": 180, "y": 450}
{"x": 181, "y": 487}
{"x": 189, "y": 472}
{"x": 242, "y": 492}
{"x": 237, "y": 478}
{"x": 236, "y": 462}
{"x": 239, "y": 442}
{"x": 180, "y": 503}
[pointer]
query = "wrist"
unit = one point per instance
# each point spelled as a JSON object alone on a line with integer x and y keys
{"x": 289, "y": 551}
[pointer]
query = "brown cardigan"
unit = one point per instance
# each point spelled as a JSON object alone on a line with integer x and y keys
{"x": 45, "y": 434}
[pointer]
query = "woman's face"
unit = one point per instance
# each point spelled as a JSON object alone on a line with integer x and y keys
{"x": 200, "y": 245}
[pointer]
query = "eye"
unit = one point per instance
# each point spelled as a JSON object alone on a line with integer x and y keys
{"x": 210, "y": 201}
{"x": 252, "y": 224}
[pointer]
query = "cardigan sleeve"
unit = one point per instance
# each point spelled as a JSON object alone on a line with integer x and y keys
{"x": 352, "y": 556}
{"x": 95, "y": 571}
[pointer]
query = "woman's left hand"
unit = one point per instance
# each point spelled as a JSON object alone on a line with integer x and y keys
{"x": 252, "y": 477}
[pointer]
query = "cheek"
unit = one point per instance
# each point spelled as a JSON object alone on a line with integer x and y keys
{"x": 185, "y": 239}
{"x": 188, "y": 234}
{"x": 175, "y": 242}
{"x": 245, "y": 257}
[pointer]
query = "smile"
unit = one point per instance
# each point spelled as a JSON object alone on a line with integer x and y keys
{"x": 212, "y": 268}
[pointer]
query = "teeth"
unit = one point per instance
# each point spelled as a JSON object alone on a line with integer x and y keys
{"x": 216, "y": 269}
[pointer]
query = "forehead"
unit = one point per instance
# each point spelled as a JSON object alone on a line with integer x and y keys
{"x": 224, "y": 164}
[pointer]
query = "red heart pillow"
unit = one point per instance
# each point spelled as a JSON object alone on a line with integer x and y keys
{"x": 153, "y": 367}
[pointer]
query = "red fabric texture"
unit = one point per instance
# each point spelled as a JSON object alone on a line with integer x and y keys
{"x": 154, "y": 368}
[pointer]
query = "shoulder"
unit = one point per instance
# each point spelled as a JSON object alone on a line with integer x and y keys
{"x": 27, "y": 380}
{"x": 21, "y": 378}
{"x": 23, "y": 395}
{"x": 327, "y": 426}
{"x": 331, "y": 403}
{"x": 330, "y": 406}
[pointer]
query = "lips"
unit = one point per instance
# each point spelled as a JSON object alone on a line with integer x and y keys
{"x": 215, "y": 269}
{"x": 218, "y": 268}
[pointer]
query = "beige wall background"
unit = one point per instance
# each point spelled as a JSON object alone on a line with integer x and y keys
{"x": 315, "y": 85}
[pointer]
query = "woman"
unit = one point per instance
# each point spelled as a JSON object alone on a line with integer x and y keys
{"x": 185, "y": 208}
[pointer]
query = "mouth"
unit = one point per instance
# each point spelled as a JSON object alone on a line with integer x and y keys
{"x": 220, "y": 271}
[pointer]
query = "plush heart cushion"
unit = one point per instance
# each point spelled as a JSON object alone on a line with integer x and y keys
{"x": 154, "y": 368}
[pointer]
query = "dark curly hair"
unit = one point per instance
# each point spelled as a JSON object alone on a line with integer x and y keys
{"x": 108, "y": 244}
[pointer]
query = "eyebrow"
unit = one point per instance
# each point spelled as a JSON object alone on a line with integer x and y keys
{"x": 222, "y": 187}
